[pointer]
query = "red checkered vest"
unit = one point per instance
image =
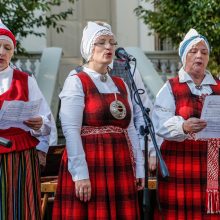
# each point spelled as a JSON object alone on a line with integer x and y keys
{"x": 97, "y": 105}
{"x": 187, "y": 104}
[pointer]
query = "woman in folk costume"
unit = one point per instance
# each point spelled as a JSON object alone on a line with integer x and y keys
{"x": 192, "y": 190}
{"x": 20, "y": 196}
{"x": 103, "y": 165}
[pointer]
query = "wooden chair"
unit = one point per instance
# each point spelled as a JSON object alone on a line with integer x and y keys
{"x": 49, "y": 175}
{"x": 48, "y": 189}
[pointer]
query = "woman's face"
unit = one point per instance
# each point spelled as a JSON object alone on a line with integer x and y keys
{"x": 197, "y": 59}
{"x": 104, "y": 50}
{"x": 6, "y": 53}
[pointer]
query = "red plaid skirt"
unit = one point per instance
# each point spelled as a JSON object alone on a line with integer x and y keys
{"x": 114, "y": 194}
{"x": 183, "y": 195}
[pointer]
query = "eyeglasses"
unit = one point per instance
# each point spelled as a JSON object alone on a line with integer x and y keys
{"x": 105, "y": 44}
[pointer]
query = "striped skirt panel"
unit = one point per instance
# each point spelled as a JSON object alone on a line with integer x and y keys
{"x": 20, "y": 196}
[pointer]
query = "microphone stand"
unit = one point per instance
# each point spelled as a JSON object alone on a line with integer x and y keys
{"x": 148, "y": 129}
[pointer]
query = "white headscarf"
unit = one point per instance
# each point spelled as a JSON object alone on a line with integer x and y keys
{"x": 191, "y": 38}
{"x": 91, "y": 32}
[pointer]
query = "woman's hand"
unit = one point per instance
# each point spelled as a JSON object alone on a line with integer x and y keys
{"x": 194, "y": 125}
{"x": 34, "y": 123}
{"x": 83, "y": 190}
{"x": 140, "y": 183}
{"x": 152, "y": 163}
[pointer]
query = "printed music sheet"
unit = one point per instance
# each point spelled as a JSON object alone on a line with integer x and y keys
{"x": 13, "y": 113}
{"x": 211, "y": 113}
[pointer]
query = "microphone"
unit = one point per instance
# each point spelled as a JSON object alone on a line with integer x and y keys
{"x": 5, "y": 142}
{"x": 122, "y": 54}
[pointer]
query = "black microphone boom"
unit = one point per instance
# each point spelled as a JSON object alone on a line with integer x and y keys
{"x": 122, "y": 54}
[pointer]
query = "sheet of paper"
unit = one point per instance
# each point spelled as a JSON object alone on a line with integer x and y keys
{"x": 13, "y": 113}
{"x": 211, "y": 113}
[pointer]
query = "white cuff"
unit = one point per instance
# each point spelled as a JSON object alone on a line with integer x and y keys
{"x": 78, "y": 168}
{"x": 43, "y": 145}
{"x": 140, "y": 171}
{"x": 139, "y": 161}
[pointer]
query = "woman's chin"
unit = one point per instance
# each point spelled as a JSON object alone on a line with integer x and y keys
{"x": 199, "y": 68}
{"x": 108, "y": 61}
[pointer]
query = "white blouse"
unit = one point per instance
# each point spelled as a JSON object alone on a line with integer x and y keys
{"x": 168, "y": 125}
{"x": 71, "y": 114}
{"x": 34, "y": 93}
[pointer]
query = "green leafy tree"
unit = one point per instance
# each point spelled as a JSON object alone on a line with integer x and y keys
{"x": 173, "y": 18}
{"x": 19, "y": 16}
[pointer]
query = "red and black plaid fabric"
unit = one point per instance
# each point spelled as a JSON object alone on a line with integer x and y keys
{"x": 114, "y": 194}
{"x": 183, "y": 195}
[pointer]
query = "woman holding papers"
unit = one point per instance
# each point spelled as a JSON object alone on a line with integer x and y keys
{"x": 192, "y": 190}
{"x": 20, "y": 196}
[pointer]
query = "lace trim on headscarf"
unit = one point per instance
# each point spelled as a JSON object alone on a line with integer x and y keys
{"x": 100, "y": 33}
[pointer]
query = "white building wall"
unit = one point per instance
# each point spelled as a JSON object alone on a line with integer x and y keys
{"x": 147, "y": 43}
{"x": 129, "y": 30}
{"x": 126, "y": 24}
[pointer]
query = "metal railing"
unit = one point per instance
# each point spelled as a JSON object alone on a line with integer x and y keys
{"x": 166, "y": 63}
{"x": 28, "y": 63}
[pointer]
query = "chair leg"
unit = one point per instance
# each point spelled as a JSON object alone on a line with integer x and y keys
{"x": 44, "y": 205}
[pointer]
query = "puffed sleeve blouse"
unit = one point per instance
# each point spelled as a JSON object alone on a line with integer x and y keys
{"x": 168, "y": 125}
